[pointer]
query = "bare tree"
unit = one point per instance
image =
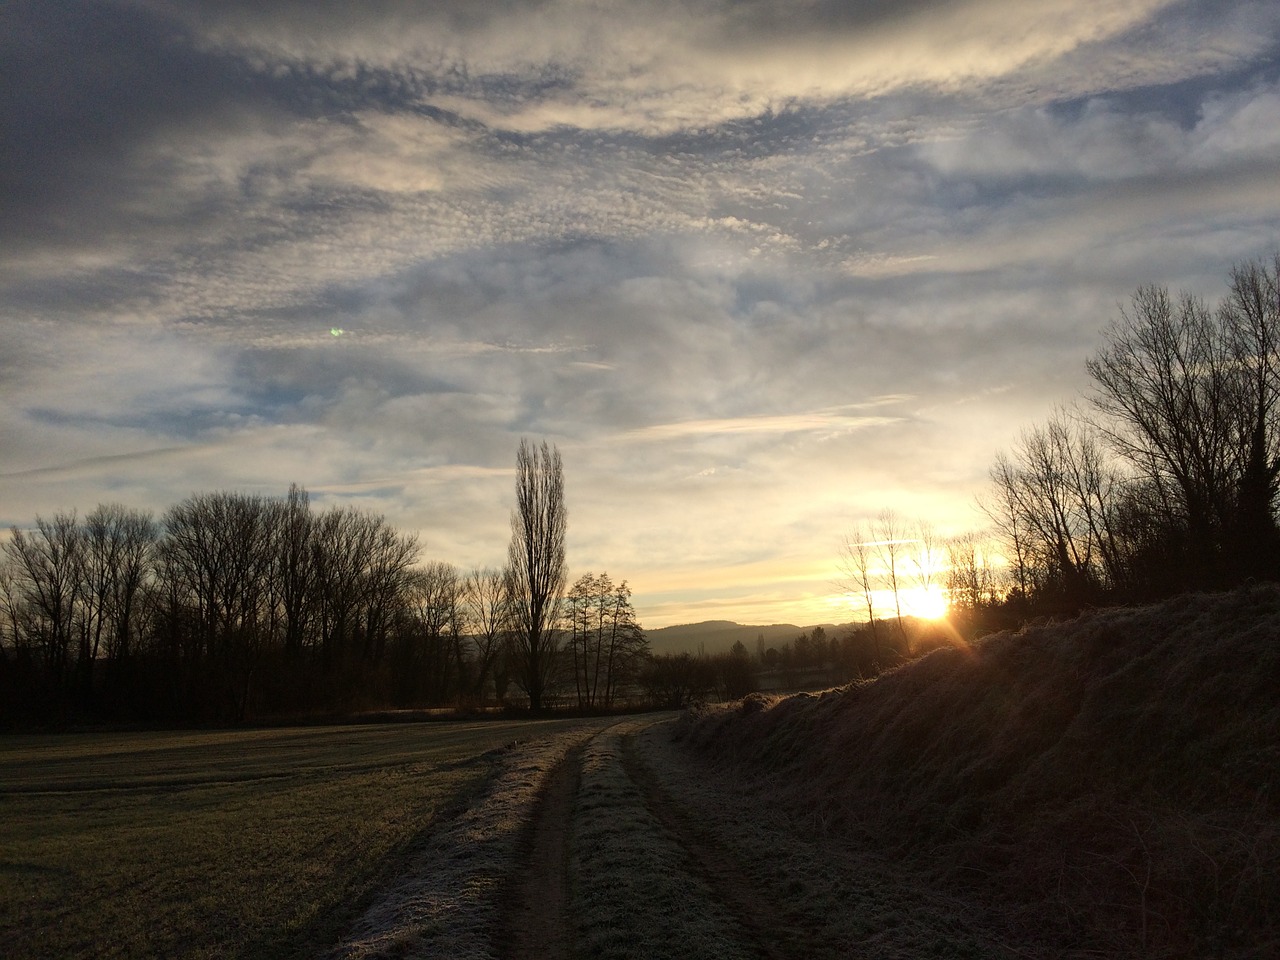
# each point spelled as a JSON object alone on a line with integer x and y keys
{"x": 342, "y": 544}
{"x": 488, "y": 606}
{"x": 675, "y": 680}
{"x": 219, "y": 550}
{"x": 890, "y": 540}
{"x": 1056, "y": 507}
{"x": 1187, "y": 395}
{"x": 48, "y": 565}
{"x": 118, "y": 560}
{"x": 234, "y": 607}
{"x": 1251, "y": 316}
{"x": 296, "y": 569}
{"x": 1187, "y": 399}
{"x": 856, "y": 560}
{"x": 606, "y": 643}
{"x": 536, "y": 564}
{"x": 11, "y": 609}
{"x": 385, "y": 575}
{"x": 1162, "y": 388}
{"x": 927, "y": 558}
{"x": 430, "y": 662}
{"x": 972, "y": 581}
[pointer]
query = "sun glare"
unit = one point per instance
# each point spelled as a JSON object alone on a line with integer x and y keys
{"x": 927, "y": 603}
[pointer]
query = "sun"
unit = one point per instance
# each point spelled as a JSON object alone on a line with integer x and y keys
{"x": 927, "y": 603}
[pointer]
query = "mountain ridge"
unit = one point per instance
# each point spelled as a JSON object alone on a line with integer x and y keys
{"x": 718, "y": 636}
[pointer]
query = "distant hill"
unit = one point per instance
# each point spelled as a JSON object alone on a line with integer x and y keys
{"x": 718, "y": 636}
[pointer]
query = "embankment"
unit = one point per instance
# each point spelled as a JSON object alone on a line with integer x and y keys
{"x": 1108, "y": 784}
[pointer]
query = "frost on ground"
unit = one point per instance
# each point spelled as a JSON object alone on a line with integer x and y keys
{"x": 636, "y": 892}
{"x": 619, "y": 844}
{"x": 671, "y": 857}
{"x": 815, "y": 896}
{"x": 1100, "y": 787}
{"x": 449, "y": 901}
{"x": 1104, "y": 787}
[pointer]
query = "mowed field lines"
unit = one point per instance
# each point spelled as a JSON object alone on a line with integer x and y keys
{"x": 258, "y": 843}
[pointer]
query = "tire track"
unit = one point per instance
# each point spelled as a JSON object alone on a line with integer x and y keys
{"x": 806, "y": 893}
{"x": 770, "y": 933}
{"x": 453, "y": 899}
{"x": 600, "y": 873}
{"x": 536, "y": 921}
{"x": 634, "y": 890}
{"x": 625, "y": 857}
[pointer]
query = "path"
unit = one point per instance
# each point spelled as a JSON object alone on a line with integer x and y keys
{"x": 615, "y": 868}
{"x": 535, "y": 921}
{"x": 638, "y": 852}
{"x": 608, "y": 841}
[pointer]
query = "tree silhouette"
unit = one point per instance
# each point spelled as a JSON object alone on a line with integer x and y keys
{"x": 605, "y": 642}
{"x": 536, "y": 565}
{"x": 1171, "y": 482}
{"x": 488, "y": 606}
{"x": 1188, "y": 398}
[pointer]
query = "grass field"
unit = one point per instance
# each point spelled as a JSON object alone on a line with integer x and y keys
{"x": 259, "y": 843}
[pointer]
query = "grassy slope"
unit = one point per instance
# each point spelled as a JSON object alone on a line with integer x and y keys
{"x": 1110, "y": 782}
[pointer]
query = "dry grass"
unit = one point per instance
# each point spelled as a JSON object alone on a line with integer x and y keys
{"x": 1107, "y": 786}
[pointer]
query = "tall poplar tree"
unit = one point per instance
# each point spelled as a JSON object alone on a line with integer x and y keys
{"x": 536, "y": 564}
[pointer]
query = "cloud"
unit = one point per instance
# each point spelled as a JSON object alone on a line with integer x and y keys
{"x": 662, "y": 66}
{"x": 90, "y": 467}
{"x": 824, "y": 422}
{"x": 1107, "y": 141}
{"x": 679, "y": 240}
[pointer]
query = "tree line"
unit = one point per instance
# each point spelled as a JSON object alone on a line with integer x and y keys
{"x": 234, "y": 606}
{"x": 1164, "y": 477}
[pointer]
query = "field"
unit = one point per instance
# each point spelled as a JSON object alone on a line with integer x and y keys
{"x": 264, "y": 843}
{"x": 538, "y": 839}
{"x": 1098, "y": 788}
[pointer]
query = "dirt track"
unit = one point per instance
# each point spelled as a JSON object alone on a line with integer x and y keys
{"x": 635, "y": 852}
{"x": 610, "y": 841}
{"x": 536, "y": 917}
{"x": 761, "y": 926}
{"x": 554, "y": 911}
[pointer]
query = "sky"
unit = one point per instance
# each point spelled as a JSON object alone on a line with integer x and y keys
{"x": 759, "y": 270}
